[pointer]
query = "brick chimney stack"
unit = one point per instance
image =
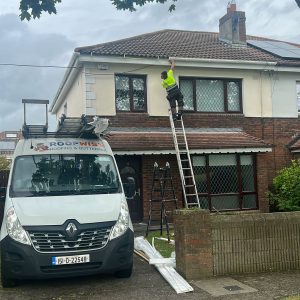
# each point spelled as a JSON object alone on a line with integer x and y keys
{"x": 232, "y": 26}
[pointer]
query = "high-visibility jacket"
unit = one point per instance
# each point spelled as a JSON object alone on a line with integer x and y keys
{"x": 170, "y": 81}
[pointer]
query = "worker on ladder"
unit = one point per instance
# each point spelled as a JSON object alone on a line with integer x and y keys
{"x": 174, "y": 93}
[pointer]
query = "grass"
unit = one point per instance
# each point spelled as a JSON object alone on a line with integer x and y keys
{"x": 292, "y": 298}
{"x": 163, "y": 247}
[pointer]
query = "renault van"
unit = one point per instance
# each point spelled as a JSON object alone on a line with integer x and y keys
{"x": 65, "y": 212}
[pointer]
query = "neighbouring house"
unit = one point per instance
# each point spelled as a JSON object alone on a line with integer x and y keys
{"x": 241, "y": 108}
{"x": 8, "y": 142}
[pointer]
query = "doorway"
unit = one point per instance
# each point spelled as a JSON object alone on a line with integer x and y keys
{"x": 131, "y": 166}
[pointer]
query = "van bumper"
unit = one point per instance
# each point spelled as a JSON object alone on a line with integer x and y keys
{"x": 24, "y": 262}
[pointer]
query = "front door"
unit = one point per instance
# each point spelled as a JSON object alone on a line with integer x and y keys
{"x": 130, "y": 166}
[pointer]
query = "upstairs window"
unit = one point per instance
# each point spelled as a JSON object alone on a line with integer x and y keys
{"x": 130, "y": 93}
{"x": 211, "y": 94}
{"x": 298, "y": 95}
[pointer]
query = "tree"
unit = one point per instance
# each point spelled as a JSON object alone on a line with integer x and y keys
{"x": 285, "y": 194}
{"x": 34, "y": 8}
{"x": 4, "y": 163}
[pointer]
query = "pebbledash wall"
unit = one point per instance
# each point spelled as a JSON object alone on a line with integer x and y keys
{"x": 222, "y": 244}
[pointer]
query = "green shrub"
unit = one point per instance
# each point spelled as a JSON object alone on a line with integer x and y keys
{"x": 285, "y": 194}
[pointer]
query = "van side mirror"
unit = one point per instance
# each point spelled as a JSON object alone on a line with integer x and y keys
{"x": 129, "y": 187}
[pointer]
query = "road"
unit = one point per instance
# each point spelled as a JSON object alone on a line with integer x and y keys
{"x": 146, "y": 283}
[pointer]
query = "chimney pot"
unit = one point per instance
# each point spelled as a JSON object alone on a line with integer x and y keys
{"x": 231, "y": 7}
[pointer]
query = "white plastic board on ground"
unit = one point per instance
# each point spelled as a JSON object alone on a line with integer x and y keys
{"x": 178, "y": 283}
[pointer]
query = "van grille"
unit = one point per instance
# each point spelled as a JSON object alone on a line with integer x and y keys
{"x": 57, "y": 241}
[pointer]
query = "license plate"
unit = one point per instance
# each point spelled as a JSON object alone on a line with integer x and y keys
{"x": 69, "y": 260}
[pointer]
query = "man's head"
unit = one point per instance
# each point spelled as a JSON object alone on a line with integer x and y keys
{"x": 164, "y": 75}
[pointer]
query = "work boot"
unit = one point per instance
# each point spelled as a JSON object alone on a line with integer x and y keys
{"x": 174, "y": 117}
{"x": 179, "y": 116}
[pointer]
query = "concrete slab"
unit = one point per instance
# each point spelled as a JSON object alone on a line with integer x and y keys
{"x": 223, "y": 286}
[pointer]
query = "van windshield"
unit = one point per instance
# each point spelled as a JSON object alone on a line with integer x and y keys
{"x": 44, "y": 175}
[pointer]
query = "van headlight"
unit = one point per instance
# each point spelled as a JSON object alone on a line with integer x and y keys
{"x": 122, "y": 222}
{"x": 15, "y": 229}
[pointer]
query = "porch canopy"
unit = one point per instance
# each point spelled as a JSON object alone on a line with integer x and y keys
{"x": 294, "y": 145}
{"x": 200, "y": 140}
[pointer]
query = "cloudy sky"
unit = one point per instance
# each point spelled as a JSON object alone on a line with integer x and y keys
{"x": 50, "y": 40}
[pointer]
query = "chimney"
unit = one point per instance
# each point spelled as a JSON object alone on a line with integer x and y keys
{"x": 232, "y": 26}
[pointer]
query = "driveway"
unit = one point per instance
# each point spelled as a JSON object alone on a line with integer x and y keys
{"x": 147, "y": 283}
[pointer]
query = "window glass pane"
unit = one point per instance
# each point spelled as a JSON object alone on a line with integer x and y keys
{"x": 223, "y": 174}
{"x": 247, "y": 173}
{"x": 298, "y": 95}
{"x": 204, "y": 202}
{"x": 122, "y": 93}
{"x": 249, "y": 201}
{"x": 225, "y": 202}
{"x": 186, "y": 88}
{"x": 210, "y": 95}
{"x": 200, "y": 173}
{"x": 138, "y": 94}
{"x": 233, "y": 95}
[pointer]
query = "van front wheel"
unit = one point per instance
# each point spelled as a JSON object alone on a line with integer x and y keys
{"x": 126, "y": 273}
{"x": 6, "y": 282}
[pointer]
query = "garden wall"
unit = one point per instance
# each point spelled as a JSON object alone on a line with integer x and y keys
{"x": 222, "y": 244}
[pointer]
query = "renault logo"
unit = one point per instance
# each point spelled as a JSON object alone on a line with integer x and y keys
{"x": 71, "y": 229}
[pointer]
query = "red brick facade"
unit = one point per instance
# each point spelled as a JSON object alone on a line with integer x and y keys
{"x": 274, "y": 131}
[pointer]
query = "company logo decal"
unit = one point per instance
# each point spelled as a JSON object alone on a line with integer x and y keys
{"x": 69, "y": 145}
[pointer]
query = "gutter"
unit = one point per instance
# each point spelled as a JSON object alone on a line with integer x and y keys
{"x": 182, "y": 62}
{"x": 66, "y": 82}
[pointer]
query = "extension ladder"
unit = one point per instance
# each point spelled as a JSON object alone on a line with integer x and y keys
{"x": 162, "y": 196}
{"x": 189, "y": 187}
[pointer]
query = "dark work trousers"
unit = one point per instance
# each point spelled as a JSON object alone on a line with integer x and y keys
{"x": 175, "y": 95}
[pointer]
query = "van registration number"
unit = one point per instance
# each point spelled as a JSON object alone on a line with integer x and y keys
{"x": 69, "y": 260}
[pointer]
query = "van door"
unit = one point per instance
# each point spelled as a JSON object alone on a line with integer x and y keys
{"x": 131, "y": 166}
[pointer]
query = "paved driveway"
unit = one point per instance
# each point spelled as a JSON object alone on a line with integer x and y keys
{"x": 146, "y": 283}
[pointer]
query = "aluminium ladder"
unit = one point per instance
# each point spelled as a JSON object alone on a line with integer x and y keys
{"x": 188, "y": 182}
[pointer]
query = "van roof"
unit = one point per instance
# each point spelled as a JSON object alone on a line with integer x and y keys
{"x": 40, "y": 146}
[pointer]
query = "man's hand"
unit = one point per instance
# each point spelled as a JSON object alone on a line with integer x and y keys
{"x": 172, "y": 64}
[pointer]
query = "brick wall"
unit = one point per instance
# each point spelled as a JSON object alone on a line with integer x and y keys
{"x": 277, "y": 132}
{"x": 221, "y": 244}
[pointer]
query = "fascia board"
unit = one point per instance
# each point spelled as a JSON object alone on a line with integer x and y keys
{"x": 182, "y": 62}
{"x": 195, "y": 151}
{"x": 71, "y": 72}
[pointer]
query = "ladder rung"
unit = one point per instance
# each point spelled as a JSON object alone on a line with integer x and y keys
{"x": 194, "y": 203}
{"x": 189, "y": 185}
{"x": 190, "y": 195}
{"x": 188, "y": 176}
{"x": 186, "y": 168}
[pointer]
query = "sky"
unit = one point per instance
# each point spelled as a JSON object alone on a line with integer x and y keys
{"x": 51, "y": 40}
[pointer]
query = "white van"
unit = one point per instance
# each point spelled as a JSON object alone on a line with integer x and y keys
{"x": 65, "y": 212}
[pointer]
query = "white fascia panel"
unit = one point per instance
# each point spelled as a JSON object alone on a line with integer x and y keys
{"x": 183, "y": 62}
{"x": 196, "y": 151}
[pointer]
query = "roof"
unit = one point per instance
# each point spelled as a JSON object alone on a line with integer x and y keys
{"x": 294, "y": 145}
{"x": 188, "y": 44}
{"x": 199, "y": 140}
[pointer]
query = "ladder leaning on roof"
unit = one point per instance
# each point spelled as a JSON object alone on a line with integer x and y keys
{"x": 189, "y": 187}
